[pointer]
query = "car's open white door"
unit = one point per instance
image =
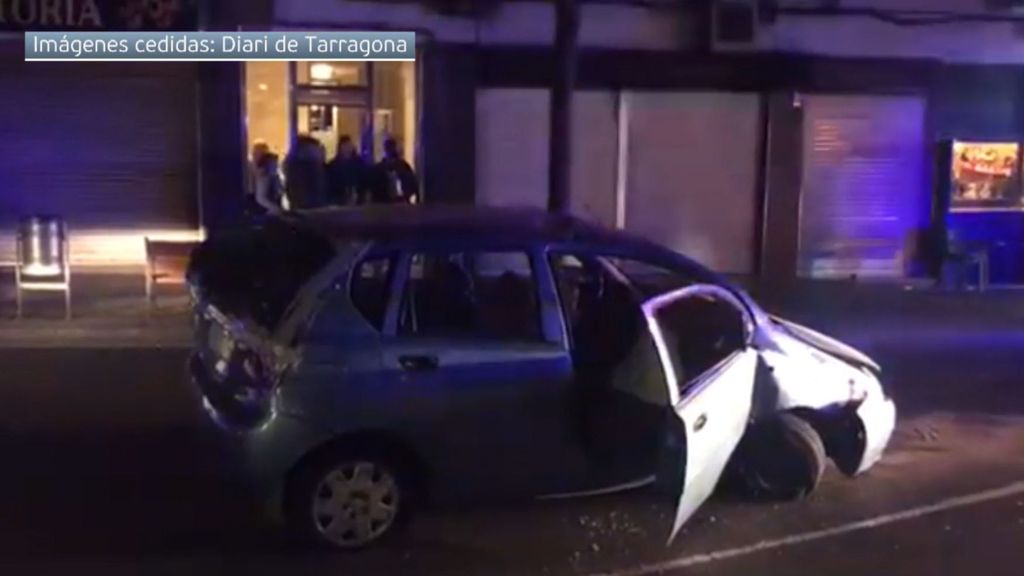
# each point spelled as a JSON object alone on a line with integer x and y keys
{"x": 711, "y": 403}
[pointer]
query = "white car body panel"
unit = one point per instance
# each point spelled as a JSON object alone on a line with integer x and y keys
{"x": 878, "y": 415}
{"x": 828, "y": 344}
{"x": 806, "y": 376}
{"x": 713, "y": 415}
{"x": 807, "y": 371}
{"x": 713, "y": 410}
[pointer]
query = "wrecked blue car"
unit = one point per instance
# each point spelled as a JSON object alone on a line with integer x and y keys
{"x": 359, "y": 362}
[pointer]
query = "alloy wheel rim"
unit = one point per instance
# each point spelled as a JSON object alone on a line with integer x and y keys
{"x": 355, "y": 503}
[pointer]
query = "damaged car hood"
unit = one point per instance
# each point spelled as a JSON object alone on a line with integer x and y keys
{"x": 827, "y": 344}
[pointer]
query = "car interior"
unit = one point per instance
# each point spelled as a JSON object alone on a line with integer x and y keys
{"x": 619, "y": 397}
{"x": 461, "y": 295}
{"x": 621, "y": 386}
{"x": 370, "y": 288}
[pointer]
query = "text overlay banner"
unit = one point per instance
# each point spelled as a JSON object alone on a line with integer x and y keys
{"x": 219, "y": 46}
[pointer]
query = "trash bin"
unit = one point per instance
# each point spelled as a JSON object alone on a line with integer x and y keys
{"x": 42, "y": 242}
{"x": 43, "y": 259}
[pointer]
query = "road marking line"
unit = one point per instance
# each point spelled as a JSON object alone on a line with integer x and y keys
{"x": 949, "y": 504}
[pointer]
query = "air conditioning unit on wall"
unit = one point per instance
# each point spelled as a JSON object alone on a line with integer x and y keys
{"x": 463, "y": 8}
{"x": 736, "y": 25}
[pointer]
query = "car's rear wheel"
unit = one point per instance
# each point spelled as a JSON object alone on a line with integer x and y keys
{"x": 782, "y": 459}
{"x": 349, "y": 500}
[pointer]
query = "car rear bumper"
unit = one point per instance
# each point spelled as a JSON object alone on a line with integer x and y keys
{"x": 260, "y": 457}
{"x": 878, "y": 417}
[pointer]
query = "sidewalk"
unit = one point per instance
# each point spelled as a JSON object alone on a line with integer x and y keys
{"x": 109, "y": 310}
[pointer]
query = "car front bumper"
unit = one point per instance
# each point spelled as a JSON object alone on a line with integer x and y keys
{"x": 877, "y": 415}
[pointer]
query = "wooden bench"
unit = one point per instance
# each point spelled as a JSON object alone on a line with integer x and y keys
{"x": 166, "y": 262}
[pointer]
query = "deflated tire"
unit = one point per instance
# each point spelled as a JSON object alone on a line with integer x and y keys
{"x": 782, "y": 459}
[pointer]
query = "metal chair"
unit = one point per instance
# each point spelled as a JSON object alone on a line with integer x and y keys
{"x": 44, "y": 262}
{"x": 966, "y": 255}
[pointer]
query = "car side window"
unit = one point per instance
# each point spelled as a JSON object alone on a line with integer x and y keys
{"x": 651, "y": 279}
{"x": 582, "y": 285}
{"x": 700, "y": 332}
{"x": 479, "y": 295}
{"x": 601, "y": 311}
{"x": 570, "y": 277}
{"x": 370, "y": 288}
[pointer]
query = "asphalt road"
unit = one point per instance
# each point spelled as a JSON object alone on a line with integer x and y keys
{"x": 104, "y": 472}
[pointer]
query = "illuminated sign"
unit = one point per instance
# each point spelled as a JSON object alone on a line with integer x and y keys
{"x": 986, "y": 175}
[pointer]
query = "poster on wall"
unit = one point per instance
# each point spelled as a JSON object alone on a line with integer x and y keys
{"x": 986, "y": 175}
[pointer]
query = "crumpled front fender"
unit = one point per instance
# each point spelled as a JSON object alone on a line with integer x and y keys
{"x": 840, "y": 394}
{"x": 877, "y": 415}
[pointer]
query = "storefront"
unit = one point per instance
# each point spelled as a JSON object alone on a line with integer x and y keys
{"x": 686, "y": 150}
{"x": 981, "y": 196}
{"x": 678, "y": 167}
{"x": 110, "y": 147}
{"x": 864, "y": 199}
{"x": 367, "y": 101}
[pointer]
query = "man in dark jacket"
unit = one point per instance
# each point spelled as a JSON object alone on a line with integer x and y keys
{"x": 395, "y": 180}
{"x": 347, "y": 175}
{"x": 305, "y": 174}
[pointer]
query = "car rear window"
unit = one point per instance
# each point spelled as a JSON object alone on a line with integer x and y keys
{"x": 256, "y": 272}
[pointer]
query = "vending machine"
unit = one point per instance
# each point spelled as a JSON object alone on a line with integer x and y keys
{"x": 980, "y": 204}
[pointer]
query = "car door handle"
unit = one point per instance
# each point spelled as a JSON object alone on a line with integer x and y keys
{"x": 698, "y": 424}
{"x": 417, "y": 363}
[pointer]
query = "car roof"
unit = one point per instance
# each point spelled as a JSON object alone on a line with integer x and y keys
{"x": 478, "y": 224}
{"x": 404, "y": 221}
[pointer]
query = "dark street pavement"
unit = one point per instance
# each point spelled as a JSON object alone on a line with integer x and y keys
{"x": 105, "y": 472}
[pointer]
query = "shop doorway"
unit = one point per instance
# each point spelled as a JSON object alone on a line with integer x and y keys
{"x": 367, "y": 101}
{"x": 330, "y": 100}
{"x": 328, "y": 122}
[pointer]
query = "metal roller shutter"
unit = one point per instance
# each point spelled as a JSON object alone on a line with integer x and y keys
{"x": 512, "y": 147}
{"x": 512, "y": 150}
{"x": 692, "y": 174}
{"x": 863, "y": 195}
{"x": 111, "y": 147}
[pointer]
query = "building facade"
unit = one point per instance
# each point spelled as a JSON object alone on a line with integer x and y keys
{"x": 809, "y": 144}
{"x": 807, "y": 140}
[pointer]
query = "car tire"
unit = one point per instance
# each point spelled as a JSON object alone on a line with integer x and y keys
{"x": 783, "y": 459}
{"x": 349, "y": 499}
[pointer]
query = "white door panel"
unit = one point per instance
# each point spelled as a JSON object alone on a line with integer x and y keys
{"x": 712, "y": 408}
{"x": 714, "y": 416}
{"x": 691, "y": 180}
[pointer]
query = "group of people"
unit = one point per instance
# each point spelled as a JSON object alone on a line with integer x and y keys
{"x": 308, "y": 180}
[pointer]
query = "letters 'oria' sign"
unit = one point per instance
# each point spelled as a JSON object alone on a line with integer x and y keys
{"x": 25, "y": 15}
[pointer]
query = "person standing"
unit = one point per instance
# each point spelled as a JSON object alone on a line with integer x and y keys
{"x": 347, "y": 175}
{"x": 259, "y": 149}
{"x": 305, "y": 174}
{"x": 395, "y": 180}
{"x": 268, "y": 192}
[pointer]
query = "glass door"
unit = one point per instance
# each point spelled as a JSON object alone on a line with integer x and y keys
{"x": 369, "y": 102}
{"x": 331, "y": 100}
{"x": 329, "y": 122}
